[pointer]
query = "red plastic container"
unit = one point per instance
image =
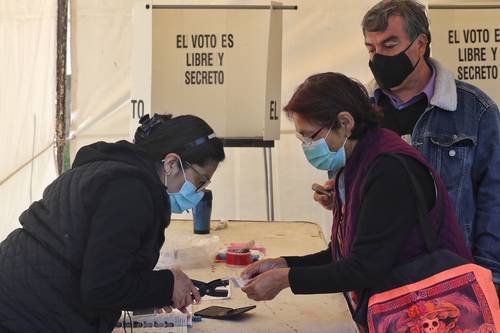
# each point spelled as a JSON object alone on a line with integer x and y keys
{"x": 238, "y": 259}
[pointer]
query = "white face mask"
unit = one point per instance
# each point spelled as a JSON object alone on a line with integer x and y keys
{"x": 186, "y": 198}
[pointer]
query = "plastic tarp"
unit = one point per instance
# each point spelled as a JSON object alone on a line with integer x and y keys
{"x": 27, "y": 104}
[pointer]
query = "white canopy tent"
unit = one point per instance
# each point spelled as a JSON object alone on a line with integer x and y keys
{"x": 27, "y": 104}
{"x": 102, "y": 75}
{"x": 322, "y": 35}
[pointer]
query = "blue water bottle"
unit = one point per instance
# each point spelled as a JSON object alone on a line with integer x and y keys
{"x": 201, "y": 214}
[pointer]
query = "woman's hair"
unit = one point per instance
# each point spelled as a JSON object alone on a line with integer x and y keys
{"x": 188, "y": 136}
{"x": 323, "y": 96}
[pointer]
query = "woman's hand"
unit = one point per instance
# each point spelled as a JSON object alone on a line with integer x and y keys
{"x": 262, "y": 266}
{"x": 184, "y": 291}
{"x": 325, "y": 200}
{"x": 165, "y": 309}
{"x": 267, "y": 285}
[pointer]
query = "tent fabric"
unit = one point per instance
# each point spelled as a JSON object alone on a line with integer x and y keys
{"x": 27, "y": 104}
{"x": 101, "y": 49}
{"x": 321, "y": 36}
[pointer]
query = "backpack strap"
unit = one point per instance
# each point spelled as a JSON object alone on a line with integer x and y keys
{"x": 429, "y": 234}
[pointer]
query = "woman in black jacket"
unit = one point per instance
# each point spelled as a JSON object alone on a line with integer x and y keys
{"x": 87, "y": 249}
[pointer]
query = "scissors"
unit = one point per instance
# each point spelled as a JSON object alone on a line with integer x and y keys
{"x": 210, "y": 288}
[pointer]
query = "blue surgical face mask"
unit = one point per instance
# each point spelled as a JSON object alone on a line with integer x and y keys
{"x": 186, "y": 198}
{"x": 319, "y": 155}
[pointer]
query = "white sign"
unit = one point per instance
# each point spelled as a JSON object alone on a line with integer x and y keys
{"x": 223, "y": 65}
{"x": 467, "y": 41}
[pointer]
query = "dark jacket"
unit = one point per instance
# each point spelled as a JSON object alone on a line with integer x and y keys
{"x": 377, "y": 220}
{"x": 459, "y": 133}
{"x": 442, "y": 216}
{"x": 86, "y": 250}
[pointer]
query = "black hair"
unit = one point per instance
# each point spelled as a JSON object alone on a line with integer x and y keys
{"x": 321, "y": 97}
{"x": 188, "y": 136}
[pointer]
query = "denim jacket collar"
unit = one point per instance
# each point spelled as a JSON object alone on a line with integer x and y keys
{"x": 445, "y": 89}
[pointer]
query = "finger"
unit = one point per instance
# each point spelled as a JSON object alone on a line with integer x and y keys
{"x": 177, "y": 303}
{"x": 324, "y": 199}
{"x": 250, "y": 271}
{"x": 188, "y": 300}
{"x": 195, "y": 294}
{"x": 182, "y": 302}
{"x": 329, "y": 184}
{"x": 249, "y": 287}
{"x": 167, "y": 309}
{"x": 250, "y": 282}
{"x": 253, "y": 296}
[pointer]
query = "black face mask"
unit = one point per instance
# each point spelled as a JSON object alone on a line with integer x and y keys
{"x": 391, "y": 71}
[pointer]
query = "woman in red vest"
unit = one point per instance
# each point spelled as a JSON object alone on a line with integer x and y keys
{"x": 375, "y": 226}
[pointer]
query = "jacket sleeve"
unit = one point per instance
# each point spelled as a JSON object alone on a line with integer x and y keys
{"x": 119, "y": 228}
{"x": 486, "y": 184}
{"x": 320, "y": 258}
{"x": 387, "y": 215}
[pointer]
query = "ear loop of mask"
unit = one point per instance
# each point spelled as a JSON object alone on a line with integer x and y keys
{"x": 328, "y": 133}
{"x": 346, "y": 137}
{"x": 414, "y": 66}
{"x": 166, "y": 177}
{"x": 343, "y": 145}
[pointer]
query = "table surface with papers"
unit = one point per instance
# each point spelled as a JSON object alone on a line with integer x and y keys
{"x": 287, "y": 312}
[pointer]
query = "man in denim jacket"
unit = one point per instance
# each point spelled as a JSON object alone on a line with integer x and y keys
{"x": 454, "y": 124}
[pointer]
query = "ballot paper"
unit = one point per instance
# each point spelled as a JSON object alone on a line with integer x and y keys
{"x": 238, "y": 282}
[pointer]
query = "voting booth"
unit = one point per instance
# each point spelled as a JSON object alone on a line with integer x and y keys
{"x": 466, "y": 38}
{"x": 221, "y": 63}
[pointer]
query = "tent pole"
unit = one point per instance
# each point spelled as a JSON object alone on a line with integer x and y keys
{"x": 62, "y": 24}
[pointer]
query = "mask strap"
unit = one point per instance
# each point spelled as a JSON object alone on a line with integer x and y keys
{"x": 327, "y": 134}
{"x": 165, "y": 177}
{"x": 410, "y": 45}
{"x": 407, "y": 50}
{"x": 417, "y": 62}
{"x": 182, "y": 168}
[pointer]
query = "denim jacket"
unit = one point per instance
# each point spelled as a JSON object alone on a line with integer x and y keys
{"x": 459, "y": 133}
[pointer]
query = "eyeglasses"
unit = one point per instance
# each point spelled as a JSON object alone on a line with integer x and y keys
{"x": 307, "y": 140}
{"x": 204, "y": 180}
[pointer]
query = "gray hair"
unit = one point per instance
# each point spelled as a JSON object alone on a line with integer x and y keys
{"x": 413, "y": 13}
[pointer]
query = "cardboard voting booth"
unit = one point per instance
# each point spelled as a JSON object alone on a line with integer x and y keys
{"x": 220, "y": 63}
{"x": 466, "y": 39}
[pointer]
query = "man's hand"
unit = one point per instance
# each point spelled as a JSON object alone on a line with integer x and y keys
{"x": 262, "y": 266}
{"x": 267, "y": 285}
{"x": 325, "y": 200}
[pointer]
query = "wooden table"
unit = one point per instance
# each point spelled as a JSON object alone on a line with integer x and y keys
{"x": 287, "y": 312}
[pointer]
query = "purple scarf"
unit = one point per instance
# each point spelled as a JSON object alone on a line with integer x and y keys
{"x": 372, "y": 145}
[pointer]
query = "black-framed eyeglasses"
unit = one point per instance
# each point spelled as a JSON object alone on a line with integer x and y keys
{"x": 204, "y": 180}
{"x": 307, "y": 140}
